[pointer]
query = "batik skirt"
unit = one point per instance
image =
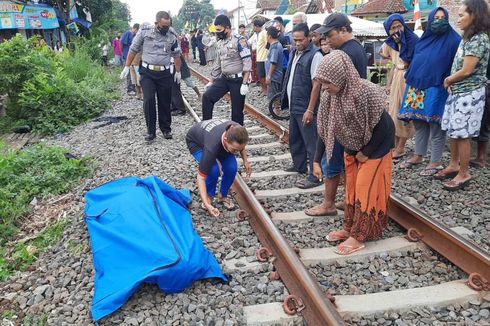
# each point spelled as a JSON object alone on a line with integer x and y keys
{"x": 368, "y": 187}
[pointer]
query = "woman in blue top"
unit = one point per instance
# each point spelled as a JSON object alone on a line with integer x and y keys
{"x": 425, "y": 96}
{"x": 466, "y": 85}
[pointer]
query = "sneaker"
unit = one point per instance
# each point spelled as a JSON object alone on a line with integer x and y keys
{"x": 149, "y": 137}
{"x": 167, "y": 135}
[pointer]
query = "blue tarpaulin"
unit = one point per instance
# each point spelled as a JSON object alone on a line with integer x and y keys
{"x": 141, "y": 232}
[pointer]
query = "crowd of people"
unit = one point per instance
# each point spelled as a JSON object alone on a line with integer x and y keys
{"x": 341, "y": 125}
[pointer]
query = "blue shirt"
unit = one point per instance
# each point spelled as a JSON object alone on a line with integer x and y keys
{"x": 275, "y": 57}
{"x": 126, "y": 40}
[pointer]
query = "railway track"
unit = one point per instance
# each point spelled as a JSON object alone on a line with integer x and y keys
{"x": 281, "y": 232}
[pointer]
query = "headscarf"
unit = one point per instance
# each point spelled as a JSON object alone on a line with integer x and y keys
{"x": 433, "y": 56}
{"x": 408, "y": 38}
{"x": 350, "y": 115}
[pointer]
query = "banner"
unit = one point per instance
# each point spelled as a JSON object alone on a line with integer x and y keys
{"x": 16, "y": 16}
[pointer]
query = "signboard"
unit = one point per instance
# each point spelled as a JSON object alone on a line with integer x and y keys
{"x": 16, "y": 16}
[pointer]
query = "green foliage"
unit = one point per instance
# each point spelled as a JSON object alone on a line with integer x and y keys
{"x": 52, "y": 92}
{"x": 194, "y": 14}
{"x": 35, "y": 172}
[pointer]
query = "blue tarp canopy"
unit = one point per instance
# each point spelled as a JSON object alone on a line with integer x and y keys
{"x": 141, "y": 232}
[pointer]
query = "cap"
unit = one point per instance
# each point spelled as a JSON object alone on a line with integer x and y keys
{"x": 335, "y": 20}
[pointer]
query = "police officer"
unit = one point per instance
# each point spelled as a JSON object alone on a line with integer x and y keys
{"x": 159, "y": 43}
{"x": 230, "y": 72}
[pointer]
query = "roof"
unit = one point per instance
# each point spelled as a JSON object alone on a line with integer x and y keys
{"x": 268, "y": 4}
{"x": 380, "y": 7}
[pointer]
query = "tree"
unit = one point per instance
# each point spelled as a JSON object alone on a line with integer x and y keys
{"x": 194, "y": 14}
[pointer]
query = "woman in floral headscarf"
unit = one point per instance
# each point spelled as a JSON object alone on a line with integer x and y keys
{"x": 353, "y": 111}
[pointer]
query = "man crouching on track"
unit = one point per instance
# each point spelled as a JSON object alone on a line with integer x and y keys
{"x": 214, "y": 143}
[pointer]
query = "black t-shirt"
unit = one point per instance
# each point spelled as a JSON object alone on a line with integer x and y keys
{"x": 357, "y": 54}
{"x": 206, "y": 136}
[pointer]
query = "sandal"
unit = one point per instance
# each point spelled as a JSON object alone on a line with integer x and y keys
{"x": 396, "y": 158}
{"x": 408, "y": 164}
{"x": 227, "y": 202}
{"x": 316, "y": 211}
{"x": 427, "y": 172}
{"x": 335, "y": 236}
{"x": 453, "y": 185}
{"x": 443, "y": 175}
{"x": 345, "y": 250}
{"x": 477, "y": 165}
{"x": 307, "y": 184}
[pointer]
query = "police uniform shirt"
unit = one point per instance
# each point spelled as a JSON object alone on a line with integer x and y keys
{"x": 234, "y": 56}
{"x": 157, "y": 48}
{"x": 207, "y": 136}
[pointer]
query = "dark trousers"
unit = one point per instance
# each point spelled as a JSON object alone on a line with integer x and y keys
{"x": 216, "y": 91}
{"x": 177, "y": 101}
{"x": 194, "y": 50}
{"x": 302, "y": 143}
{"x": 202, "y": 57}
{"x": 159, "y": 83}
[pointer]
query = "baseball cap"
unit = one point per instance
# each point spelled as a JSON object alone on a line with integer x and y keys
{"x": 335, "y": 20}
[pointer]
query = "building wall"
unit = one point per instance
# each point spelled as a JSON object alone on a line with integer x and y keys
{"x": 452, "y": 7}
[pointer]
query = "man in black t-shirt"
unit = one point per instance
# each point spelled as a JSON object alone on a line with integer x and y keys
{"x": 338, "y": 32}
{"x": 214, "y": 143}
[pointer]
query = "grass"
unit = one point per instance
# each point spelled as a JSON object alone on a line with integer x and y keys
{"x": 35, "y": 172}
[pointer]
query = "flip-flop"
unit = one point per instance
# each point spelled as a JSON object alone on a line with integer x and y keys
{"x": 396, "y": 158}
{"x": 408, "y": 164}
{"x": 332, "y": 238}
{"x": 453, "y": 186}
{"x": 447, "y": 175}
{"x": 348, "y": 249}
{"x": 427, "y": 172}
{"x": 309, "y": 213}
{"x": 476, "y": 165}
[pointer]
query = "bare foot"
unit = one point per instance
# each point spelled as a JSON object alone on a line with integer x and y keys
{"x": 321, "y": 210}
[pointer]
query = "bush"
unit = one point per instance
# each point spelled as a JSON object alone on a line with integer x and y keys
{"x": 52, "y": 92}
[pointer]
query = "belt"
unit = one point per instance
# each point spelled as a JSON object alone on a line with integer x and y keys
{"x": 233, "y": 76}
{"x": 155, "y": 67}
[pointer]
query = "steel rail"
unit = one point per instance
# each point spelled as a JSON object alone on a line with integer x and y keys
{"x": 461, "y": 252}
{"x": 318, "y": 310}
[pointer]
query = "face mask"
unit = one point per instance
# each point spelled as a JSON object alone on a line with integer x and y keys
{"x": 163, "y": 30}
{"x": 439, "y": 26}
{"x": 221, "y": 35}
